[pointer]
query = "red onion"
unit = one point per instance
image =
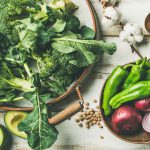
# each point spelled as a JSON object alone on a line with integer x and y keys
{"x": 126, "y": 120}
{"x": 143, "y": 105}
{"x": 146, "y": 122}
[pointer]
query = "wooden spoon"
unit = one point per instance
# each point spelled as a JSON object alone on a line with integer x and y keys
{"x": 147, "y": 23}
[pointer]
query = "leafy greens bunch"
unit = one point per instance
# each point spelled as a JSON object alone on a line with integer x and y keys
{"x": 43, "y": 48}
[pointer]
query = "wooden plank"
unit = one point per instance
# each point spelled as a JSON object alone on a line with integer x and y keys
{"x": 71, "y": 136}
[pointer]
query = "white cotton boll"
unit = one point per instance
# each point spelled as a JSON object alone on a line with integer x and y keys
{"x": 112, "y": 13}
{"x": 128, "y": 28}
{"x": 107, "y": 23}
{"x": 138, "y": 38}
{"x": 131, "y": 40}
{"x": 137, "y": 30}
{"x": 123, "y": 36}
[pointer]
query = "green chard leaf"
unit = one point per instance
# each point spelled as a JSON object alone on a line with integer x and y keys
{"x": 73, "y": 23}
{"x": 89, "y": 51}
{"x": 87, "y": 33}
{"x": 59, "y": 26}
{"x": 40, "y": 133}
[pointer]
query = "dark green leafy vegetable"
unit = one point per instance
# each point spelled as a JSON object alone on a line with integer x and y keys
{"x": 73, "y": 24}
{"x": 87, "y": 33}
{"x": 84, "y": 48}
{"x": 40, "y": 133}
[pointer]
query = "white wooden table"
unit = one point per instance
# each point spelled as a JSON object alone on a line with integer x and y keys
{"x": 71, "y": 136}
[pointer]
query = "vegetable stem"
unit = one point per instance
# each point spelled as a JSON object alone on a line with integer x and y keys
{"x": 27, "y": 69}
{"x": 18, "y": 98}
{"x": 136, "y": 51}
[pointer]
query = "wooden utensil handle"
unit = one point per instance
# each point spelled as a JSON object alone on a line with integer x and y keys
{"x": 66, "y": 113}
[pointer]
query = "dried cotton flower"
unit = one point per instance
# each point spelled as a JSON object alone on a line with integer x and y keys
{"x": 111, "y": 17}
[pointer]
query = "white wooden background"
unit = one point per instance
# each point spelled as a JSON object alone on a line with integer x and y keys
{"x": 71, "y": 136}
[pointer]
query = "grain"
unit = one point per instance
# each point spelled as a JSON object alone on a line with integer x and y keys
{"x": 77, "y": 120}
{"x": 95, "y": 101}
{"x": 86, "y": 104}
{"x": 89, "y": 117}
{"x": 80, "y": 125}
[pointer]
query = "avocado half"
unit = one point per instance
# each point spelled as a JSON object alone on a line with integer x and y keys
{"x": 5, "y": 138}
{"x": 12, "y": 119}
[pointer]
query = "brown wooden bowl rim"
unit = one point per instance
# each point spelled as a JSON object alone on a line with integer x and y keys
{"x": 75, "y": 84}
{"x": 103, "y": 116}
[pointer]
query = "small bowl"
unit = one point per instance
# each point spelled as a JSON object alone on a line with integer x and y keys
{"x": 141, "y": 137}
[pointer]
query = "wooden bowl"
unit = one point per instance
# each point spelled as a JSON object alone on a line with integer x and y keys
{"x": 141, "y": 137}
{"x": 83, "y": 76}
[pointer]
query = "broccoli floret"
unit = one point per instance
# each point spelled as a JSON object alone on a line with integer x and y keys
{"x": 10, "y": 11}
{"x": 47, "y": 64}
{"x": 67, "y": 72}
{"x": 64, "y": 62}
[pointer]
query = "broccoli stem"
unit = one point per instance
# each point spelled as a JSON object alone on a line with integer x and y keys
{"x": 18, "y": 98}
{"x": 31, "y": 10}
{"x": 27, "y": 69}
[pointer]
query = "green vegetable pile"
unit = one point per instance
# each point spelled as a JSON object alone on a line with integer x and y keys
{"x": 125, "y": 84}
{"x": 43, "y": 49}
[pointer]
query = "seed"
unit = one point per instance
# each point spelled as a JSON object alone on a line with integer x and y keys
{"x": 91, "y": 113}
{"x": 90, "y": 116}
{"x": 100, "y": 126}
{"x": 82, "y": 119}
{"x": 80, "y": 125}
{"x": 98, "y": 123}
{"x": 80, "y": 115}
{"x": 83, "y": 113}
{"x": 90, "y": 123}
{"x": 101, "y": 137}
{"x": 98, "y": 107}
{"x": 91, "y": 109}
{"x": 99, "y": 119}
{"x": 82, "y": 110}
{"x": 95, "y": 119}
{"x": 86, "y": 122}
{"x": 87, "y": 104}
{"x": 94, "y": 122}
{"x": 88, "y": 112}
{"x": 77, "y": 120}
{"x": 86, "y": 107}
{"x": 87, "y": 126}
{"x": 69, "y": 118}
{"x": 95, "y": 101}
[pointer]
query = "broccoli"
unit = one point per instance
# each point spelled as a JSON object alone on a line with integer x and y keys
{"x": 46, "y": 64}
{"x": 12, "y": 10}
{"x": 55, "y": 70}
